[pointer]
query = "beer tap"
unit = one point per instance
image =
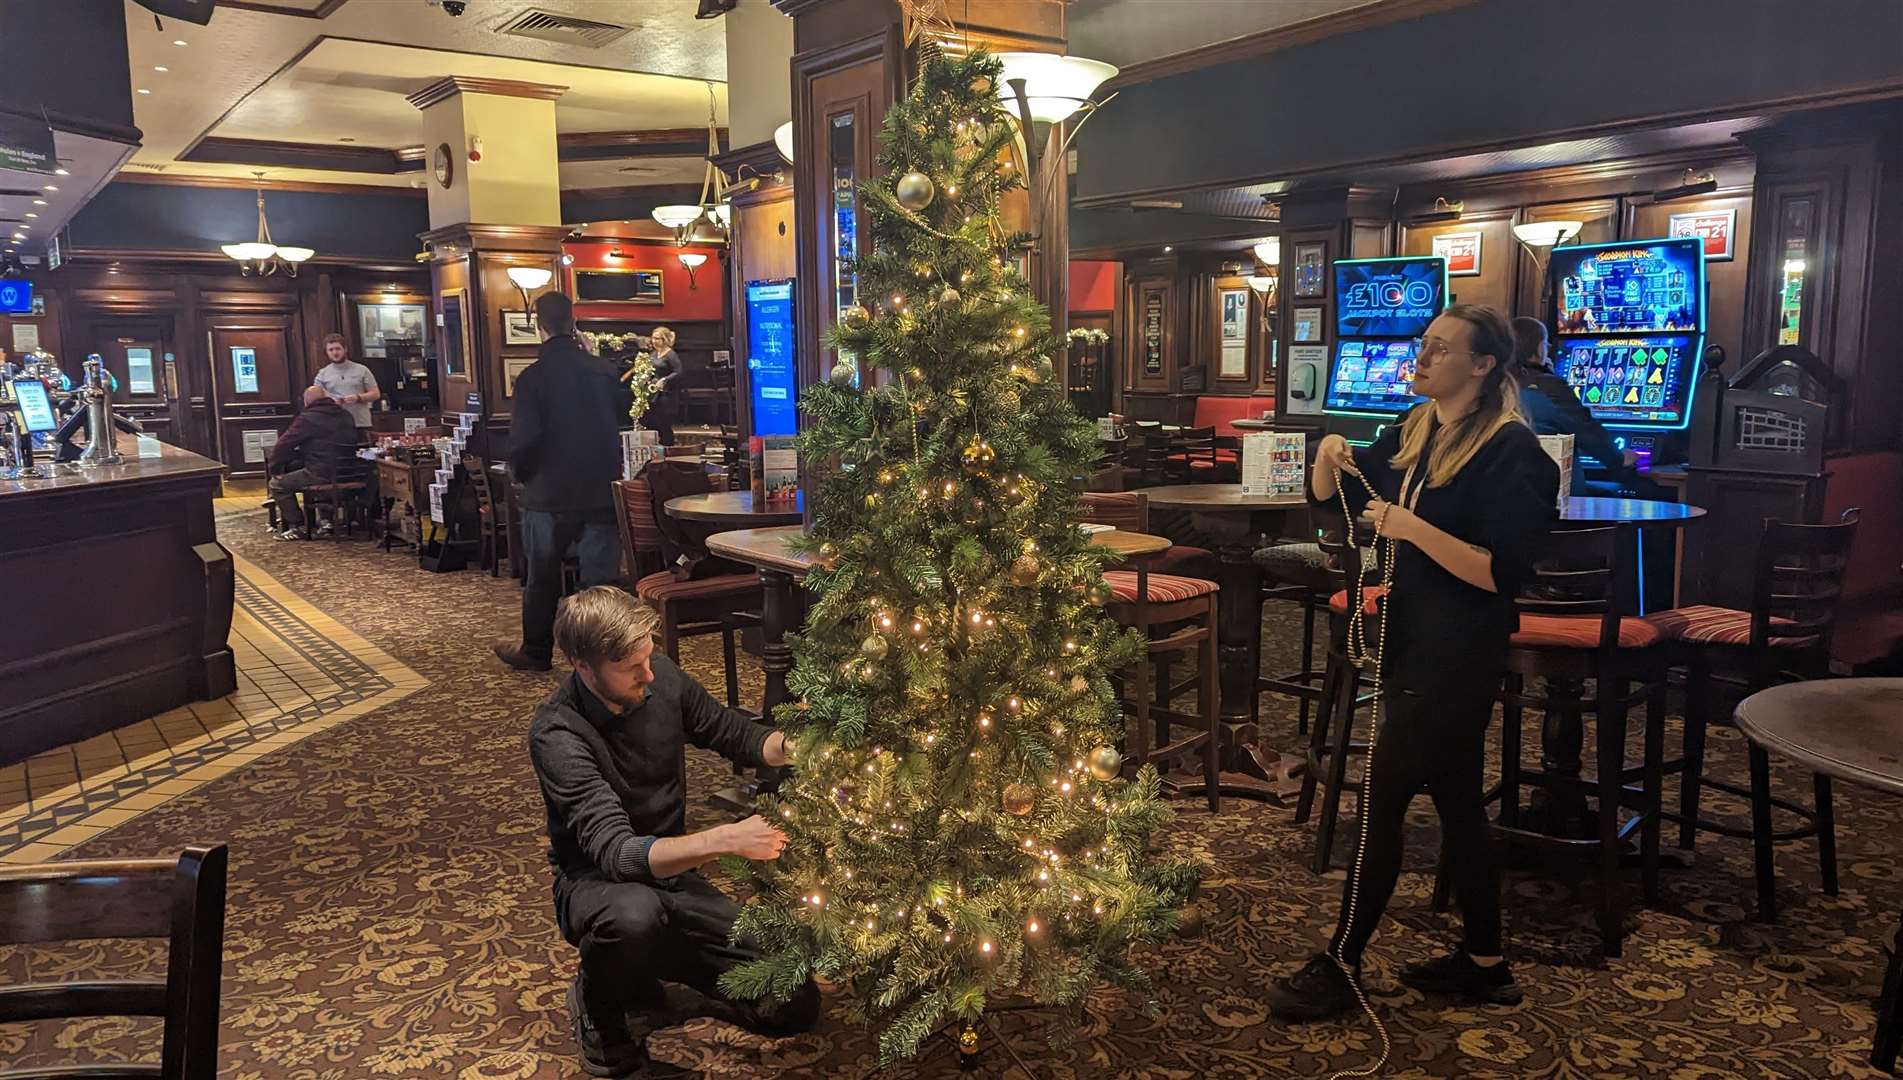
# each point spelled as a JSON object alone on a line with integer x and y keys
{"x": 100, "y": 446}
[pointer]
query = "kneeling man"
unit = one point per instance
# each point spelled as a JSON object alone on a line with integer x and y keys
{"x": 608, "y": 752}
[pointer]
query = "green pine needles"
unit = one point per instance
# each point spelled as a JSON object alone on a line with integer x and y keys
{"x": 953, "y": 840}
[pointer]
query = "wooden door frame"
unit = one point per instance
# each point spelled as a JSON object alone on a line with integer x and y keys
{"x": 254, "y": 321}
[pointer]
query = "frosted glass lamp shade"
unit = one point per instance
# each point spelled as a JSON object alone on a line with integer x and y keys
{"x": 1269, "y": 252}
{"x": 692, "y": 259}
{"x": 295, "y": 254}
{"x": 236, "y": 251}
{"x": 1546, "y": 233}
{"x": 723, "y": 214}
{"x": 783, "y": 141}
{"x": 1054, "y": 86}
{"x": 530, "y": 277}
{"x": 1261, "y": 283}
{"x": 677, "y": 215}
{"x": 255, "y": 250}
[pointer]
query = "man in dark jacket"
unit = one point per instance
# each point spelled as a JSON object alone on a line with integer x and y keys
{"x": 565, "y": 451}
{"x": 307, "y": 454}
{"x": 607, "y": 748}
{"x": 1552, "y": 408}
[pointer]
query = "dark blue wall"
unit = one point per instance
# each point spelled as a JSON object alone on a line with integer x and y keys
{"x": 1500, "y": 71}
{"x": 175, "y": 217}
{"x": 68, "y": 57}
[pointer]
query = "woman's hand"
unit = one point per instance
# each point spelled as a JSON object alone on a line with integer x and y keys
{"x": 1391, "y": 520}
{"x": 1334, "y": 453}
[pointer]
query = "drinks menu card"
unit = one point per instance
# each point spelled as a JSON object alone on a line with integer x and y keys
{"x": 1274, "y": 463}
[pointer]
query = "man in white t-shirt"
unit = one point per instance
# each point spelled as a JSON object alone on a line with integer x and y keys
{"x": 347, "y": 382}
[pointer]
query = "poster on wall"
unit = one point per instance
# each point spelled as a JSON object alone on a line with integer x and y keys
{"x": 244, "y": 373}
{"x": 519, "y": 328}
{"x": 1308, "y": 324}
{"x": 1310, "y": 280}
{"x": 1235, "y": 335}
{"x": 1153, "y": 334}
{"x": 26, "y": 337}
{"x": 1462, "y": 252}
{"x": 1715, "y": 227}
{"x": 772, "y": 376}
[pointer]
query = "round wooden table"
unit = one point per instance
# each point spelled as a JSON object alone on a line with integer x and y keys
{"x": 1849, "y": 730}
{"x": 1640, "y": 513}
{"x": 1236, "y": 522}
{"x": 735, "y": 508}
{"x": 1252, "y": 425}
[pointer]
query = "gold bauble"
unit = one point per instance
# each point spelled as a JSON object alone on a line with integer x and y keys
{"x": 1097, "y": 593}
{"x": 886, "y": 477}
{"x": 855, "y": 316}
{"x": 968, "y": 1040}
{"x": 1189, "y": 921}
{"x": 949, "y": 296}
{"x": 915, "y": 191}
{"x": 844, "y": 372}
{"x": 1018, "y": 799}
{"x": 1106, "y": 763}
{"x": 873, "y": 647}
{"x": 1025, "y": 570}
{"x": 829, "y": 555}
{"x": 978, "y": 454}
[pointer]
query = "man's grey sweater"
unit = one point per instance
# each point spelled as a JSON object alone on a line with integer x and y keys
{"x": 614, "y": 783}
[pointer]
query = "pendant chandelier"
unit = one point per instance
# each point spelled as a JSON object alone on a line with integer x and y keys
{"x": 683, "y": 218}
{"x": 261, "y": 257}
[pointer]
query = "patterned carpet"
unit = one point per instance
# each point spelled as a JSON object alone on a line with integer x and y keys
{"x": 390, "y": 913}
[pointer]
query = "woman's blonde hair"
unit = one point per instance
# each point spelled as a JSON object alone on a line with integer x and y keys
{"x": 661, "y": 338}
{"x": 1498, "y": 405}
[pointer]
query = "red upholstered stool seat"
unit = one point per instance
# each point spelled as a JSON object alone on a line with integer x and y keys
{"x": 664, "y": 586}
{"x": 1164, "y": 588}
{"x": 1706, "y": 624}
{"x": 1223, "y": 456}
{"x": 1580, "y": 632}
{"x": 1338, "y": 603}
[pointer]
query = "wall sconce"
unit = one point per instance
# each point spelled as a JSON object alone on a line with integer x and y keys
{"x": 692, "y": 261}
{"x": 1692, "y": 183}
{"x": 527, "y": 278}
{"x": 1442, "y": 211}
{"x": 1269, "y": 252}
{"x": 783, "y": 141}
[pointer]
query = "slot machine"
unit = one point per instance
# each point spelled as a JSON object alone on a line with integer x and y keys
{"x": 1382, "y": 307}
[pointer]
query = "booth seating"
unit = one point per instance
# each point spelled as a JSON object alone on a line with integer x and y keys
{"x": 1785, "y": 636}
{"x": 1221, "y": 411}
{"x": 180, "y": 899}
{"x": 1869, "y": 626}
{"x": 1209, "y": 450}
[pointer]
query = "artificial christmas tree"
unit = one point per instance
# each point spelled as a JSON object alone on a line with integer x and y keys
{"x": 960, "y": 831}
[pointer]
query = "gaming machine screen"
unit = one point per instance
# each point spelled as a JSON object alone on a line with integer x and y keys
{"x": 1374, "y": 377}
{"x": 1388, "y": 297}
{"x": 1644, "y": 287}
{"x": 1632, "y": 381}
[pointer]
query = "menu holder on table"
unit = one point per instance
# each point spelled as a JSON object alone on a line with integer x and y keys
{"x": 1274, "y": 463}
{"x": 1560, "y": 449}
{"x": 776, "y": 468}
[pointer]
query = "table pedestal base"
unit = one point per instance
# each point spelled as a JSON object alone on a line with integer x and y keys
{"x": 1890, "y": 1010}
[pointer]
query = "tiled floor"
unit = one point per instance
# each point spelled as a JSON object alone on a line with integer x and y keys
{"x": 299, "y": 672}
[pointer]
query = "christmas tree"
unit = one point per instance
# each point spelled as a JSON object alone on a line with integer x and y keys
{"x": 960, "y": 831}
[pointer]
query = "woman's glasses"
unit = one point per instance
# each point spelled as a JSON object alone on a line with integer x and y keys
{"x": 1433, "y": 348}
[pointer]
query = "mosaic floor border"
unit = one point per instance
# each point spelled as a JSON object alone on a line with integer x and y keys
{"x": 300, "y": 672}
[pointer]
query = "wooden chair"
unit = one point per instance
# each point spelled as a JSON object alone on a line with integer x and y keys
{"x": 181, "y": 899}
{"x": 492, "y": 515}
{"x": 1307, "y": 574}
{"x": 1571, "y": 631}
{"x": 346, "y": 497}
{"x": 1784, "y": 637}
{"x": 722, "y": 604}
{"x": 1176, "y": 616}
{"x": 1193, "y": 457}
{"x": 1146, "y": 457}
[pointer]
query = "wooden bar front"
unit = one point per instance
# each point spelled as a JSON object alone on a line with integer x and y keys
{"x": 116, "y": 598}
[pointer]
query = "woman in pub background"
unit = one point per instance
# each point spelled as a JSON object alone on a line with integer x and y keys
{"x": 1466, "y": 493}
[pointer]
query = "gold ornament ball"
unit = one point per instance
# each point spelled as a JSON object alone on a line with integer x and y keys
{"x": 1008, "y": 400}
{"x": 1018, "y": 799}
{"x": 915, "y": 191}
{"x": 873, "y": 647}
{"x": 979, "y": 454}
{"x": 1106, "y": 763}
{"x": 1025, "y": 570}
{"x": 855, "y": 316}
{"x": 886, "y": 477}
{"x": 968, "y": 1040}
{"x": 829, "y": 555}
{"x": 1189, "y": 921}
{"x": 843, "y": 373}
{"x": 872, "y": 500}
{"x": 981, "y": 85}
{"x": 949, "y": 296}
{"x": 1097, "y": 593}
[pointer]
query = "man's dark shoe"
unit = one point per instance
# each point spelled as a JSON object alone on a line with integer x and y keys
{"x": 1316, "y": 992}
{"x": 599, "y": 1056}
{"x": 1457, "y": 974}
{"x": 519, "y": 660}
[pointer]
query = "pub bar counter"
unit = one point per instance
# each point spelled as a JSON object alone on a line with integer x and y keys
{"x": 115, "y": 598}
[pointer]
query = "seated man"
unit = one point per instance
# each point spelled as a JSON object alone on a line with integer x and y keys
{"x": 607, "y": 749}
{"x": 1552, "y": 408}
{"x": 307, "y": 455}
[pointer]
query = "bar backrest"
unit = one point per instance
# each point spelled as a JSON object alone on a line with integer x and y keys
{"x": 181, "y": 899}
{"x": 1799, "y": 581}
{"x": 1126, "y": 510}
{"x": 1579, "y": 576}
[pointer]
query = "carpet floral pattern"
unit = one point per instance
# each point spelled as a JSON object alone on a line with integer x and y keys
{"x": 390, "y": 913}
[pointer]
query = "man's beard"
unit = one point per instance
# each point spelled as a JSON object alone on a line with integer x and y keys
{"x": 632, "y": 702}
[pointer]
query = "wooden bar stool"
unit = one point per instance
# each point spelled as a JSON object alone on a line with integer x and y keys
{"x": 1176, "y": 615}
{"x": 1331, "y": 742}
{"x": 1571, "y": 631}
{"x": 1785, "y": 637}
{"x": 1306, "y": 574}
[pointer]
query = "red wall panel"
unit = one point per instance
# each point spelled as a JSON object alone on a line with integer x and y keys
{"x": 707, "y": 303}
{"x": 1094, "y": 285}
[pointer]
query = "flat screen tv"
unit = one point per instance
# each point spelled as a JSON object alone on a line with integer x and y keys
{"x": 772, "y": 351}
{"x": 1388, "y": 297}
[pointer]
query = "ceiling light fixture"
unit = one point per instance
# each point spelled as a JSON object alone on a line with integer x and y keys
{"x": 30, "y": 213}
{"x": 681, "y": 218}
{"x": 692, "y": 260}
{"x": 180, "y": 42}
{"x": 262, "y": 257}
{"x": 783, "y": 141}
{"x": 1261, "y": 283}
{"x": 528, "y": 278}
{"x": 61, "y": 172}
{"x": 1269, "y": 252}
{"x": 143, "y": 90}
{"x": 48, "y": 187}
{"x": 160, "y": 67}
{"x": 39, "y": 202}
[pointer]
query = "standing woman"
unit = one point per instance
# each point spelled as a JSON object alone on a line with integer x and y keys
{"x": 665, "y": 409}
{"x": 1464, "y": 489}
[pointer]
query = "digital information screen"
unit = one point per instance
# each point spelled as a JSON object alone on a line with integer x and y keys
{"x": 1388, "y": 297}
{"x": 1372, "y": 377}
{"x": 35, "y": 407}
{"x": 771, "y": 371}
{"x": 1645, "y": 381}
{"x": 16, "y": 297}
{"x": 1650, "y": 286}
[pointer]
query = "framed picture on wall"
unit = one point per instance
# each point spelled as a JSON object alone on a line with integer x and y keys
{"x": 1461, "y": 250}
{"x": 1234, "y": 363}
{"x": 1308, "y": 324}
{"x": 1311, "y": 277}
{"x": 512, "y": 369}
{"x": 1715, "y": 226}
{"x": 619, "y": 285}
{"x": 518, "y": 328}
{"x": 453, "y": 320}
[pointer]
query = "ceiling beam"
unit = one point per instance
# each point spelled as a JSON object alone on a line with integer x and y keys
{"x": 329, "y": 157}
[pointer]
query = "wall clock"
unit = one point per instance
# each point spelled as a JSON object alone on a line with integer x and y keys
{"x": 442, "y": 164}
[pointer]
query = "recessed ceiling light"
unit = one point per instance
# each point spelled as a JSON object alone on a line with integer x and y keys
{"x": 1167, "y": 249}
{"x": 143, "y": 90}
{"x": 179, "y": 42}
{"x": 30, "y": 213}
{"x": 60, "y": 172}
{"x": 160, "y": 67}
{"x": 39, "y": 202}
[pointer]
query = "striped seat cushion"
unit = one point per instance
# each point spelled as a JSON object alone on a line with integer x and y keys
{"x": 1580, "y": 632}
{"x": 1224, "y": 456}
{"x": 1164, "y": 588}
{"x": 1338, "y": 603}
{"x": 664, "y": 586}
{"x": 1707, "y": 624}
